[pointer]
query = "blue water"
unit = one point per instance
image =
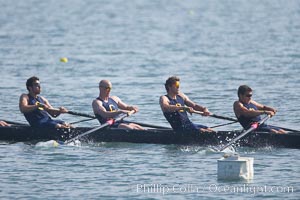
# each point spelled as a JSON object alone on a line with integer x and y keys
{"x": 213, "y": 46}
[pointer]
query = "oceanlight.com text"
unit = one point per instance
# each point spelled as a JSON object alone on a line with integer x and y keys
{"x": 211, "y": 188}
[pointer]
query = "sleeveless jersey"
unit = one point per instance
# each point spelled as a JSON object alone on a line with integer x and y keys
{"x": 247, "y": 121}
{"x": 110, "y": 105}
{"x": 39, "y": 116}
{"x": 179, "y": 119}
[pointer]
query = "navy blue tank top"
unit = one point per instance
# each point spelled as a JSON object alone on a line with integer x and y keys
{"x": 247, "y": 121}
{"x": 179, "y": 119}
{"x": 110, "y": 105}
{"x": 38, "y": 116}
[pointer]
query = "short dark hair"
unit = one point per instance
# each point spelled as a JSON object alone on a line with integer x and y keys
{"x": 30, "y": 81}
{"x": 243, "y": 89}
{"x": 170, "y": 81}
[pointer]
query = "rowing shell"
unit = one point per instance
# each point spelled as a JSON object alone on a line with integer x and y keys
{"x": 153, "y": 136}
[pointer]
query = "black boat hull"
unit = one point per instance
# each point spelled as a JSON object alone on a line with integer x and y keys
{"x": 153, "y": 136}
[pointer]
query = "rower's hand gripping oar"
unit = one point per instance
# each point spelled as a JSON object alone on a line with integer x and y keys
{"x": 252, "y": 128}
{"x": 108, "y": 123}
{"x": 215, "y": 116}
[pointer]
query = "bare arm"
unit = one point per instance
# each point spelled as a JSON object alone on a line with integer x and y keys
{"x": 24, "y": 106}
{"x": 52, "y": 111}
{"x": 241, "y": 110}
{"x": 123, "y": 105}
{"x": 266, "y": 109}
{"x": 166, "y": 107}
{"x": 100, "y": 110}
{"x": 193, "y": 106}
{"x": 47, "y": 107}
{"x": 263, "y": 107}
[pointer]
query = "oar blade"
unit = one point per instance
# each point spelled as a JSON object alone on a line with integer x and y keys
{"x": 253, "y": 127}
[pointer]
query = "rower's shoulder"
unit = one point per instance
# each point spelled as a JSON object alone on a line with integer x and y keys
{"x": 24, "y": 96}
{"x": 115, "y": 98}
{"x": 163, "y": 97}
{"x": 96, "y": 102}
{"x": 237, "y": 104}
{"x": 43, "y": 98}
{"x": 183, "y": 96}
{"x": 163, "y": 100}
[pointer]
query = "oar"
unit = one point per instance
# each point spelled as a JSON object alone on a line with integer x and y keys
{"x": 222, "y": 125}
{"x": 91, "y": 117}
{"x": 81, "y": 114}
{"x": 252, "y": 128}
{"x": 216, "y": 116}
{"x": 148, "y": 125}
{"x": 72, "y": 112}
{"x": 108, "y": 123}
{"x": 84, "y": 120}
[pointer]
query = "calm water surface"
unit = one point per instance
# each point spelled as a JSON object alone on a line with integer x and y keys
{"x": 214, "y": 46}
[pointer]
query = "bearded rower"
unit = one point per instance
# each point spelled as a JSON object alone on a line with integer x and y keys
{"x": 37, "y": 109}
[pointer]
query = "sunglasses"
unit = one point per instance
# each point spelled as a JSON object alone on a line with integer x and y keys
{"x": 106, "y": 87}
{"x": 176, "y": 84}
{"x": 248, "y": 95}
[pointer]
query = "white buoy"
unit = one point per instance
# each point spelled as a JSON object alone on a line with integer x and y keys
{"x": 50, "y": 143}
{"x": 234, "y": 167}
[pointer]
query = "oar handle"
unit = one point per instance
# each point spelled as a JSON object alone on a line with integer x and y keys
{"x": 74, "y": 113}
{"x": 130, "y": 113}
{"x": 198, "y": 112}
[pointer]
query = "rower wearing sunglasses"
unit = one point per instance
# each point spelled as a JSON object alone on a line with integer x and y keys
{"x": 248, "y": 111}
{"x": 107, "y": 107}
{"x": 37, "y": 109}
{"x": 175, "y": 106}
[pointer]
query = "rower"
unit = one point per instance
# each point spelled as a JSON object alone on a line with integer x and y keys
{"x": 248, "y": 111}
{"x": 37, "y": 109}
{"x": 106, "y": 107}
{"x": 175, "y": 106}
